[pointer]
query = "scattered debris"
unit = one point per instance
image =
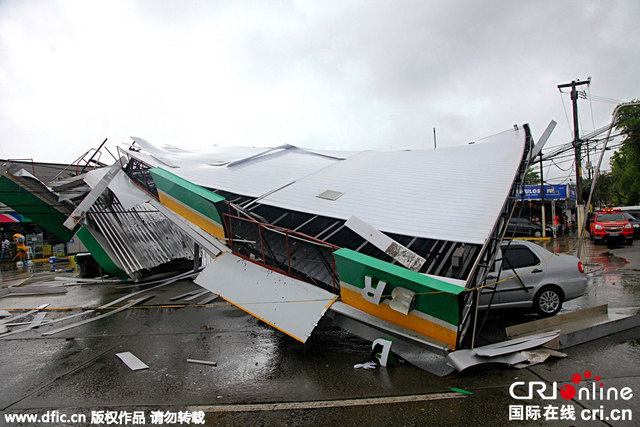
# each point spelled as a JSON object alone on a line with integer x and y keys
{"x": 198, "y": 295}
{"x": 187, "y": 294}
{"x": 32, "y": 290}
{"x": 580, "y": 326}
{"x": 37, "y": 320}
{"x": 71, "y": 316}
{"x": 23, "y": 315}
{"x": 459, "y": 390}
{"x": 508, "y": 352}
{"x": 463, "y": 359}
{"x": 517, "y": 344}
{"x": 202, "y": 362}
{"x": 102, "y": 316}
{"x": 80, "y": 281}
{"x": 367, "y": 365}
{"x": 535, "y": 357}
{"x": 166, "y": 280}
{"x": 132, "y": 361}
{"x": 207, "y": 299}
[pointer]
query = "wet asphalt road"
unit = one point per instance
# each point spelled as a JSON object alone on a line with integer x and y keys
{"x": 76, "y": 371}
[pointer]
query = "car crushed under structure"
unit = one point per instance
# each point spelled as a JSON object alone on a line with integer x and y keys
{"x": 390, "y": 245}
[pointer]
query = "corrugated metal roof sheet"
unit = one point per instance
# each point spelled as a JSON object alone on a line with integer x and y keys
{"x": 452, "y": 193}
{"x": 246, "y": 171}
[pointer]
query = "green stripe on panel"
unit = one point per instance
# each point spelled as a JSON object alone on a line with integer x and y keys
{"x": 99, "y": 254}
{"x": 433, "y": 297}
{"x": 37, "y": 210}
{"x": 192, "y": 195}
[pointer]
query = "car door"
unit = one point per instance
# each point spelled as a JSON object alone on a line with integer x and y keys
{"x": 520, "y": 260}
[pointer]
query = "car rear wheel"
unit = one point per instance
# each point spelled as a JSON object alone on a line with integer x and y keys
{"x": 537, "y": 234}
{"x": 548, "y": 301}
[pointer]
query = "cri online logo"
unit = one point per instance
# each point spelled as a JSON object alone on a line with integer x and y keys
{"x": 596, "y": 391}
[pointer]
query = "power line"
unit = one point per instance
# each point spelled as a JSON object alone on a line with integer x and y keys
{"x": 565, "y": 112}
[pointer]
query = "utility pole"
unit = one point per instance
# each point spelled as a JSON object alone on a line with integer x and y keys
{"x": 543, "y": 220}
{"x": 577, "y": 143}
{"x": 577, "y": 146}
{"x": 434, "y": 139}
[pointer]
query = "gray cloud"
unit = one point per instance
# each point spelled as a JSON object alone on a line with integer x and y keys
{"x": 360, "y": 75}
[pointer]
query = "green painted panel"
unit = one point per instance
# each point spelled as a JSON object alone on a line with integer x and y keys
{"x": 190, "y": 194}
{"x": 102, "y": 258}
{"x": 26, "y": 203}
{"x": 433, "y": 297}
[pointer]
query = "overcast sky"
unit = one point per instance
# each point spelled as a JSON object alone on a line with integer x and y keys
{"x": 321, "y": 74}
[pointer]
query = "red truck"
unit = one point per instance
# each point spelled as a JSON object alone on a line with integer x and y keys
{"x": 610, "y": 225}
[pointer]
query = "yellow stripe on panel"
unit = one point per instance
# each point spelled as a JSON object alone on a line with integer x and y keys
{"x": 191, "y": 215}
{"x": 409, "y": 321}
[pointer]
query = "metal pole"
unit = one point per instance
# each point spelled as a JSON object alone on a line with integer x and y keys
{"x": 576, "y": 141}
{"x": 434, "y": 139}
{"x": 196, "y": 256}
{"x": 554, "y": 226}
{"x": 543, "y": 219}
{"x": 94, "y": 154}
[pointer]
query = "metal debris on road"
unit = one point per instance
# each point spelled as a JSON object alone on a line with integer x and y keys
{"x": 202, "y": 362}
{"x": 36, "y": 322}
{"x": 367, "y": 365}
{"x": 102, "y": 316}
{"x": 132, "y": 361}
{"x": 20, "y": 316}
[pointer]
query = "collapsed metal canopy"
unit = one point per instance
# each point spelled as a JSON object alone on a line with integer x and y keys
{"x": 444, "y": 209}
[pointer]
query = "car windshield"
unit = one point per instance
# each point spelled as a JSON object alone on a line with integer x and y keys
{"x": 611, "y": 217}
{"x": 631, "y": 217}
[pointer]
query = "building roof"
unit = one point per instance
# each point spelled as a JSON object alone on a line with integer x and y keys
{"x": 45, "y": 172}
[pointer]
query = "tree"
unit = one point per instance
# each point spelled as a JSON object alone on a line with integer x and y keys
{"x": 625, "y": 163}
{"x": 532, "y": 176}
{"x": 605, "y": 193}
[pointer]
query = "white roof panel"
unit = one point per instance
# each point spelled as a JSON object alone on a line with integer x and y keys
{"x": 452, "y": 193}
{"x": 286, "y": 303}
{"x": 246, "y": 171}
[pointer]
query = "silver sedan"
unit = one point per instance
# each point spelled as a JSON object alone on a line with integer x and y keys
{"x": 527, "y": 275}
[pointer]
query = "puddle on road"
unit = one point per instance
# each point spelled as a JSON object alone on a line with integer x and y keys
{"x": 609, "y": 282}
{"x": 10, "y": 271}
{"x": 559, "y": 246}
{"x": 608, "y": 261}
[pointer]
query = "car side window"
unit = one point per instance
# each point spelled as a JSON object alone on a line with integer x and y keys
{"x": 519, "y": 257}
